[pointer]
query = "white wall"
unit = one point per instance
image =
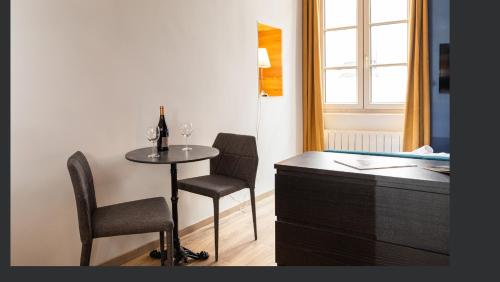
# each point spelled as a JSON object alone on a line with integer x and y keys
{"x": 364, "y": 121}
{"x": 90, "y": 75}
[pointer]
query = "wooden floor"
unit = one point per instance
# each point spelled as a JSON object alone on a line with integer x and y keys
{"x": 237, "y": 246}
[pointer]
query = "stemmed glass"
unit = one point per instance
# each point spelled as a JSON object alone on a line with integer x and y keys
{"x": 153, "y": 133}
{"x": 186, "y": 131}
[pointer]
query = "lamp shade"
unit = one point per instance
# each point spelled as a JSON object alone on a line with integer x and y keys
{"x": 264, "y": 62}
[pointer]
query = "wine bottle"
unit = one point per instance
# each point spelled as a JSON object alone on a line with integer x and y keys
{"x": 162, "y": 125}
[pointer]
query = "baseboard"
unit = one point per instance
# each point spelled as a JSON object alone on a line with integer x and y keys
{"x": 128, "y": 256}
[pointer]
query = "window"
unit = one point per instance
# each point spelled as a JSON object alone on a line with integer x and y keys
{"x": 365, "y": 50}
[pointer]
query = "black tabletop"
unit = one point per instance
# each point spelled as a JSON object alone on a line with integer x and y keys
{"x": 173, "y": 155}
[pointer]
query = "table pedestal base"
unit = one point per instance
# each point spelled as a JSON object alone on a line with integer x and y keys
{"x": 182, "y": 255}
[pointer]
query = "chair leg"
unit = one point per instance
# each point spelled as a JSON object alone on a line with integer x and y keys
{"x": 216, "y": 227}
{"x": 162, "y": 248}
{"x": 170, "y": 248}
{"x": 252, "y": 199}
{"x": 86, "y": 251}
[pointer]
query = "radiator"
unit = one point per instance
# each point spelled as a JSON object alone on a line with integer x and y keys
{"x": 368, "y": 141}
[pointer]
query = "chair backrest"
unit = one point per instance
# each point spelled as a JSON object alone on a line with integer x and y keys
{"x": 238, "y": 157}
{"x": 83, "y": 186}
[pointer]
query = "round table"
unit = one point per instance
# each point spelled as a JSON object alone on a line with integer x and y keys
{"x": 173, "y": 156}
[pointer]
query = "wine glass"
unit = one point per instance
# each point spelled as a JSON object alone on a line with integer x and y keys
{"x": 153, "y": 133}
{"x": 186, "y": 131}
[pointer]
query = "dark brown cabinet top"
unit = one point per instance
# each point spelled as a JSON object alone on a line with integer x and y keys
{"x": 413, "y": 178}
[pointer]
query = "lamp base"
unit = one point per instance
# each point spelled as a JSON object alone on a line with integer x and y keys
{"x": 263, "y": 94}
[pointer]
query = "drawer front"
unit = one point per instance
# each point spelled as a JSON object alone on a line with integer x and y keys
{"x": 321, "y": 201}
{"x": 298, "y": 245}
{"x": 411, "y": 218}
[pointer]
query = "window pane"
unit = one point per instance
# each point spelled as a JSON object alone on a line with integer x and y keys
{"x": 340, "y": 13}
{"x": 389, "y": 85}
{"x": 389, "y": 44}
{"x": 340, "y": 48}
{"x": 388, "y": 10}
{"x": 341, "y": 87}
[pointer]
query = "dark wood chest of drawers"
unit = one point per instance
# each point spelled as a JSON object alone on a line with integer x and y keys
{"x": 331, "y": 214}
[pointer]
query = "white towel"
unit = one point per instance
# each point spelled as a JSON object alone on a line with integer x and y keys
{"x": 428, "y": 151}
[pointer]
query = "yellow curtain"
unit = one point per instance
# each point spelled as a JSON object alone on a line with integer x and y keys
{"x": 312, "y": 106}
{"x": 417, "y": 125}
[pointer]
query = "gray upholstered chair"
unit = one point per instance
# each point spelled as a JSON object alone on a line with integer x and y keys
{"x": 136, "y": 217}
{"x": 234, "y": 169}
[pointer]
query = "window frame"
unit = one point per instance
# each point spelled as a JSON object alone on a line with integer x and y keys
{"x": 363, "y": 66}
